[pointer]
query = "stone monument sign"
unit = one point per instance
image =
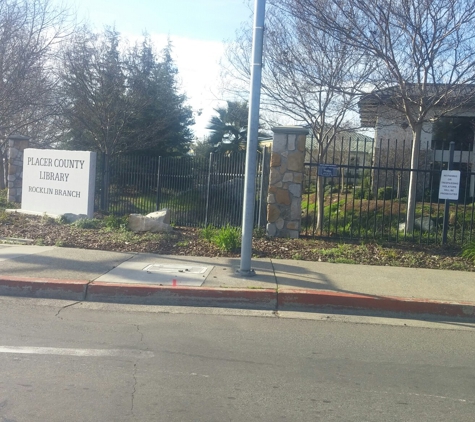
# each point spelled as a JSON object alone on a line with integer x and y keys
{"x": 58, "y": 181}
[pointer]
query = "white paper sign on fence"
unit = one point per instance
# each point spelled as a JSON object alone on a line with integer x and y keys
{"x": 58, "y": 181}
{"x": 449, "y": 185}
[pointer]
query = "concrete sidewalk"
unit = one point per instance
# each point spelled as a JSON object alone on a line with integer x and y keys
{"x": 90, "y": 275}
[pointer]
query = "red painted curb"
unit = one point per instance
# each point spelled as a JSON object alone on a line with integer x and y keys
{"x": 269, "y": 299}
{"x": 291, "y": 299}
{"x": 47, "y": 288}
{"x": 186, "y": 296}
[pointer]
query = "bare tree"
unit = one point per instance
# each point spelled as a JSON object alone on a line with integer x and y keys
{"x": 309, "y": 77}
{"x": 424, "y": 51}
{"x": 30, "y": 34}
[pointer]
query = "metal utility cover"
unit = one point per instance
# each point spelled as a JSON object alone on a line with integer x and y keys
{"x": 175, "y": 269}
{"x": 157, "y": 274}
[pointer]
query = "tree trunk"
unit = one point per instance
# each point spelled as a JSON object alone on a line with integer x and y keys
{"x": 411, "y": 200}
{"x": 320, "y": 205}
{"x": 105, "y": 182}
{"x": 3, "y": 171}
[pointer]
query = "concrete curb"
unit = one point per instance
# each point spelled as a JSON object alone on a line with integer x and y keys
{"x": 45, "y": 288}
{"x": 182, "y": 296}
{"x": 265, "y": 299}
{"x": 309, "y": 299}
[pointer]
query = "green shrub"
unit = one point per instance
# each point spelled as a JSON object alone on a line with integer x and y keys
{"x": 45, "y": 219}
{"x": 3, "y": 200}
{"x": 468, "y": 251}
{"x": 227, "y": 238}
{"x": 208, "y": 233}
{"x": 3, "y": 216}
{"x": 62, "y": 220}
{"x": 259, "y": 233}
{"x": 363, "y": 194}
{"x": 88, "y": 223}
{"x": 329, "y": 189}
{"x": 115, "y": 223}
{"x": 386, "y": 193}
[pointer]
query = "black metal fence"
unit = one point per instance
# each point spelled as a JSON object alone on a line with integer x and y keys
{"x": 366, "y": 184}
{"x": 198, "y": 191}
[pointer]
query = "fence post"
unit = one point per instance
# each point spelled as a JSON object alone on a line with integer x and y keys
{"x": 265, "y": 170}
{"x": 16, "y": 146}
{"x": 159, "y": 189}
{"x": 447, "y": 201}
{"x": 208, "y": 187}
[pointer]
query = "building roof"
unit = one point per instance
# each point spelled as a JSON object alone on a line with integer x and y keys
{"x": 448, "y": 96}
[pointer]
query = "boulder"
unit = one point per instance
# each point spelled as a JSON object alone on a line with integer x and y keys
{"x": 424, "y": 224}
{"x": 155, "y": 222}
{"x": 162, "y": 215}
{"x": 71, "y": 218}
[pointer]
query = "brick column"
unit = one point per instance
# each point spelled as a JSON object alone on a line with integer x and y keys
{"x": 16, "y": 145}
{"x": 284, "y": 200}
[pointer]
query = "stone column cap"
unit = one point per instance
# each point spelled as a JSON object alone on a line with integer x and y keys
{"x": 297, "y": 130}
{"x": 18, "y": 138}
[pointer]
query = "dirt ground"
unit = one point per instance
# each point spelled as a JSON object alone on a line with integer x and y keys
{"x": 189, "y": 241}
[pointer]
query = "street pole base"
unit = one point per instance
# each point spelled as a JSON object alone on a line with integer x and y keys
{"x": 246, "y": 273}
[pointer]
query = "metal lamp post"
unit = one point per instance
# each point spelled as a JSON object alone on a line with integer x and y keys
{"x": 252, "y": 141}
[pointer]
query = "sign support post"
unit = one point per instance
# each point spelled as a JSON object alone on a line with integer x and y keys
{"x": 447, "y": 200}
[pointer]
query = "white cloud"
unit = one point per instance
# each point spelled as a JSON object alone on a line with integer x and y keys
{"x": 198, "y": 66}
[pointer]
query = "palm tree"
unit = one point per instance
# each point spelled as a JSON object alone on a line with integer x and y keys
{"x": 229, "y": 127}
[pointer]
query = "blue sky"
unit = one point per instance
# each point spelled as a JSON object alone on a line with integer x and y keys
{"x": 211, "y": 20}
{"x": 197, "y": 29}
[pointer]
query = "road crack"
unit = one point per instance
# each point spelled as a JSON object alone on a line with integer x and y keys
{"x": 141, "y": 334}
{"x": 67, "y": 306}
{"x": 134, "y": 389}
{"x": 134, "y": 374}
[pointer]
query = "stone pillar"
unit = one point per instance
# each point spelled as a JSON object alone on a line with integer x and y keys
{"x": 284, "y": 200}
{"x": 16, "y": 145}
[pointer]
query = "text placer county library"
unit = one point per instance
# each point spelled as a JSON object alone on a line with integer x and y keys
{"x": 58, "y": 181}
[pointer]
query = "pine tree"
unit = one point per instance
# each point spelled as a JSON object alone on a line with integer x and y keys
{"x": 162, "y": 125}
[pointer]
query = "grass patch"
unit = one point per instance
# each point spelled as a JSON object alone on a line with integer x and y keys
{"x": 341, "y": 250}
{"x": 468, "y": 251}
{"x": 227, "y": 238}
{"x": 208, "y": 233}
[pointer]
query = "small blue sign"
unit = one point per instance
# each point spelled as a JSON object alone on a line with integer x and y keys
{"x": 328, "y": 170}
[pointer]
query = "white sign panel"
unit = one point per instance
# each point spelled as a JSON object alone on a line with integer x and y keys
{"x": 58, "y": 181}
{"x": 449, "y": 185}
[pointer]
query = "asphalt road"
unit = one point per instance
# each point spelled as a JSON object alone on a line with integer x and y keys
{"x": 89, "y": 362}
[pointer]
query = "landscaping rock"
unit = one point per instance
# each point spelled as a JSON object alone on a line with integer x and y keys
{"x": 155, "y": 222}
{"x": 424, "y": 224}
{"x": 71, "y": 218}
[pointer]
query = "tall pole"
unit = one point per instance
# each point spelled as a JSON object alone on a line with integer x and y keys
{"x": 252, "y": 141}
